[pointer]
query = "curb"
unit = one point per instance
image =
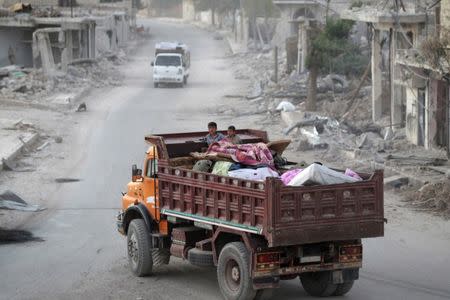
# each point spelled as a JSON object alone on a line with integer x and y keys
{"x": 17, "y": 149}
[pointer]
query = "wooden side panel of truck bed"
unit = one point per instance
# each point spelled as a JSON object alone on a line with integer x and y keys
{"x": 284, "y": 215}
{"x": 297, "y": 215}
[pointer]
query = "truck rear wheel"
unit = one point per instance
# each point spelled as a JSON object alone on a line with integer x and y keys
{"x": 343, "y": 288}
{"x": 318, "y": 284}
{"x": 233, "y": 272}
{"x": 139, "y": 248}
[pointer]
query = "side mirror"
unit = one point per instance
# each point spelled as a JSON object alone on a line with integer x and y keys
{"x": 136, "y": 173}
{"x": 152, "y": 63}
{"x": 184, "y": 65}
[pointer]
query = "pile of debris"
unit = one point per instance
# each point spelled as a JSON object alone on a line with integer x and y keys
{"x": 46, "y": 12}
{"x": 432, "y": 197}
{"x": 33, "y": 86}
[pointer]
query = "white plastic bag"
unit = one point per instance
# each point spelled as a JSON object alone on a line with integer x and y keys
{"x": 285, "y": 106}
{"x": 252, "y": 174}
{"x": 321, "y": 175}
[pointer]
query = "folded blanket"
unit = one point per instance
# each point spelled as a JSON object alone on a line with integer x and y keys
{"x": 247, "y": 154}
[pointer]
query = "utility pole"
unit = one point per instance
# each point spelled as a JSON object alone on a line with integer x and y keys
{"x": 275, "y": 58}
{"x": 213, "y": 12}
{"x": 241, "y": 10}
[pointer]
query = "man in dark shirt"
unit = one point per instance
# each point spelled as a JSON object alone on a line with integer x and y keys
{"x": 213, "y": 136}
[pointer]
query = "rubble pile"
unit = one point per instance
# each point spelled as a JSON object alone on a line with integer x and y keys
{"x": 46, "y": 12}
{"x": 33, "y": 86}
{"x": 433, "y": 197}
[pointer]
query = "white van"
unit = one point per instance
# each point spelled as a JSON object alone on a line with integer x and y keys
{"x": 171, "y": 64}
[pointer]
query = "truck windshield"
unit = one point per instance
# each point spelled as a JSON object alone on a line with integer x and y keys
{"x": 168, "y": 61}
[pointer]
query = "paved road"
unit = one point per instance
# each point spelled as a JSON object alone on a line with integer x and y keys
{"x": 83, "y": 257}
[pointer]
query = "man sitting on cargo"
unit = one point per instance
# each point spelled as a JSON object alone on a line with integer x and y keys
{"x": 232, "y": 137}
{"x": 213, "y": 136}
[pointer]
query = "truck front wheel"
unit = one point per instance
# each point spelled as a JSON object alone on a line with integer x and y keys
{"x": 139, "y": 248}
{"x": 318, "y": 284}
{"x": 233, "y": 272}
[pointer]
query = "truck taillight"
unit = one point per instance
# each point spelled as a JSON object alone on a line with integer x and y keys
{"x": 267, "y": 262}
{"x": 350, "y": 253}
{"x": 264, "y": 258}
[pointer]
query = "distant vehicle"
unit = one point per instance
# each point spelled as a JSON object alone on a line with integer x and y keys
{"x": 257, "y": 233}
{"x": 171, "y": 64}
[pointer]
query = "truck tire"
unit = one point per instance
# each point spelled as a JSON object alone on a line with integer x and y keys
{"x": 233, "y": 272}
{"x": 185, "y": 80}
{"x": 318, "y": 284}
{"x": 139, "y": 248}
{"x": 343, "y": 288}
{"x": 160, "y": 257}
{"x": 201, "y": 258}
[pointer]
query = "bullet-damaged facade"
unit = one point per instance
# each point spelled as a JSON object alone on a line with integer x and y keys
{"x": 414, "y": 95}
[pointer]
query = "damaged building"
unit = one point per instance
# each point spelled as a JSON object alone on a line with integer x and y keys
{"x": 51, "y": 39}
{"x": 406, "y": 90}
{"x": 46, "y": 42}
{"x": 298, "y": 16}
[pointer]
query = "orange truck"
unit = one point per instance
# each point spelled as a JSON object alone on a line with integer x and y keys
{"x": 256, "y": 233}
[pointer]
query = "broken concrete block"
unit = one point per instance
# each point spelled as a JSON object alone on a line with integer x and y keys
{"x": 389, "y": 135}
{"x": 304, "y": 145}
{"x": 396, "y": 181}
{"x": 291, "y": 117}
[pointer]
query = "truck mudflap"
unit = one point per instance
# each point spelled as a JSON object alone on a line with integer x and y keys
{"x": 340, "y": 273}
{"x": 119, "y": 222}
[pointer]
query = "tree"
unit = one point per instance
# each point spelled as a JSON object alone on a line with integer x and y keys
{"x": 331, "y": 50}
{"x": 220, "y": 6}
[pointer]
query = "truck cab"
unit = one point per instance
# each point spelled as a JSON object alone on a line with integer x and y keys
{"x": 171, "y": 64}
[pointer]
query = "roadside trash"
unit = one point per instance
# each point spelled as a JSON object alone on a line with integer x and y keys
{"x": 10, "y": 201}
{"x": 66, "y": 180}
{"x": 82, "y": 107}
{"x": 285, "y": 106}
{"x": 18, "y": 74}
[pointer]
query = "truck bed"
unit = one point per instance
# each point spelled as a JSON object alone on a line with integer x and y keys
{"x": 284, "y": 215}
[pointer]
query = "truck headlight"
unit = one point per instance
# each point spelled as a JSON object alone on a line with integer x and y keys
{"x": 180, "y": 71}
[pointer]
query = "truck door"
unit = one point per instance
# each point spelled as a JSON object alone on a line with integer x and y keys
{"x": 151, "y": 186}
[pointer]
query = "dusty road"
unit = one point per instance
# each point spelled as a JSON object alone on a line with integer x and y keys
{"x": 82, "y": 255}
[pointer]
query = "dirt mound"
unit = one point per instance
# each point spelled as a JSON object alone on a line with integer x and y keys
{"x": 434, "y": 197}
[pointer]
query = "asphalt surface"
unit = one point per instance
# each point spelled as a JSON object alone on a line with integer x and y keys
{"x": 83, "y": 257}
